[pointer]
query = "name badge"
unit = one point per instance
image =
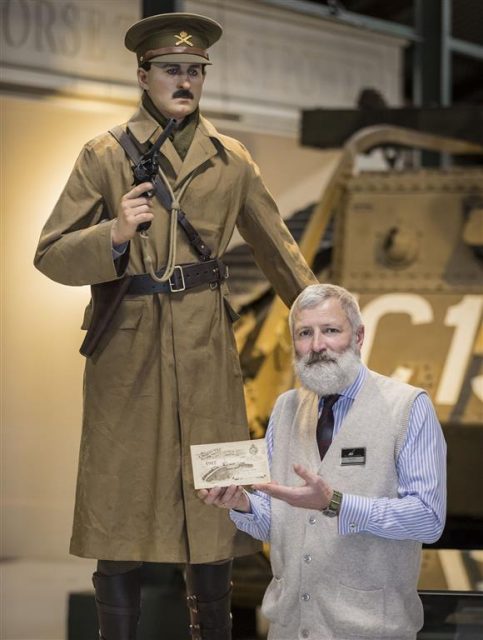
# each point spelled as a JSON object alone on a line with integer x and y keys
{"x": 355, "y": 455}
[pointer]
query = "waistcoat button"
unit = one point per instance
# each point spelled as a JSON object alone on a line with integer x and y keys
{"x": 305, "y": 633}
{"x": 306, "y": 597}
{"x": 312, "y": 519}
{"x": 307, "y": 558}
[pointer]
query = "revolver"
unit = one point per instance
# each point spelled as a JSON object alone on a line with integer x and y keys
{"x": 146, "y": 170}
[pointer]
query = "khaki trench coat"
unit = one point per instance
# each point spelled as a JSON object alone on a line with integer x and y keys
{"x": 167, "y": 373}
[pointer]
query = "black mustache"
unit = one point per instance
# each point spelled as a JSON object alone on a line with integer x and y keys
{"x": 183, "y": 93}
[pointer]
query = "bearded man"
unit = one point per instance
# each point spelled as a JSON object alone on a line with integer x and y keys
{"x": 346, "y": 541}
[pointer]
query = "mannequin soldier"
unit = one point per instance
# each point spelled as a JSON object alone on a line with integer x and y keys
{"x": 165, "y": 372}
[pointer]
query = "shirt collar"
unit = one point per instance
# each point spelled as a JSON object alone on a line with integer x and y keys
{"x": 353, "y": 389}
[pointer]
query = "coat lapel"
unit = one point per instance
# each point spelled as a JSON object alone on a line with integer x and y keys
{"x": 201, "y": 150}
{"x": 145, "y": 128}
{"x": 170, "y": 153}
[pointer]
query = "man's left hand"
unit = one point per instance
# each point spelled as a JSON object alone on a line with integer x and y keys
{"x": 314, "y": 494}
{"x": 232, "y": 497}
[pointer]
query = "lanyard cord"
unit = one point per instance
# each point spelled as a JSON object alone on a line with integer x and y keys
{"x": 173, "y": 232}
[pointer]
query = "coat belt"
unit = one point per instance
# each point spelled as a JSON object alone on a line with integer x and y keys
{"x": 184, "y": 277}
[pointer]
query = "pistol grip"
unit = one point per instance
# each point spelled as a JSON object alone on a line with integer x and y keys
{"x": 144, "y": 226}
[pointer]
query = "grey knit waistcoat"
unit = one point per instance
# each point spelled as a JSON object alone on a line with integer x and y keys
{"x": 328, "y": 586}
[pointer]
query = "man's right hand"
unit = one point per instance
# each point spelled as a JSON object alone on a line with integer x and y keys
{"x": 134, "y": 209}
{"x": 232, "y": 497}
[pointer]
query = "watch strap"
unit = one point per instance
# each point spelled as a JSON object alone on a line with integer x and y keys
{"x": 333, "y": 508}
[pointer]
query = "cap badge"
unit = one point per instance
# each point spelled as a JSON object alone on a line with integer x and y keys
{"x": 184, "y": 38}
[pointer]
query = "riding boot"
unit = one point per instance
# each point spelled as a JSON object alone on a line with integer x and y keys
{"x": 118, "y": 602}
{"x": 208, "y": 588}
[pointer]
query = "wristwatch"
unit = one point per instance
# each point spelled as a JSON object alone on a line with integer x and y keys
{"x": 333, "y": 508}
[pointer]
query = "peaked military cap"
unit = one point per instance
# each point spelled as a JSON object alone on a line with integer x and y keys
{"x": 173, "y": 37}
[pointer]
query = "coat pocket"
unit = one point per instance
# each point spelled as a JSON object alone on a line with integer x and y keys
{"x": 359, "y": 613}
{"x": 128, "y": 315}
{"x": 274, "y": 605}
{"x": 121, "y": 352}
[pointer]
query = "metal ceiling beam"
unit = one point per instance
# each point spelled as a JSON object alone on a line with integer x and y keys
{"x": 446, "y": 68}
{"x": 466, "y": 48}
{"x": 347, "y": 17}
{"x": 431, "y": 64}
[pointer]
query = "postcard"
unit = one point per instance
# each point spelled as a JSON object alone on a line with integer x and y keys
{"x": 225, "y": 463}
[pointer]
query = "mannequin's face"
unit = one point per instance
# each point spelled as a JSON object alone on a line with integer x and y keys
{"x": 175, "y": 89}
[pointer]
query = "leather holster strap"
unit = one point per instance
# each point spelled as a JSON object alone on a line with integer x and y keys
{"x": 132, "y": 149}
{"x": 185, "y": 276}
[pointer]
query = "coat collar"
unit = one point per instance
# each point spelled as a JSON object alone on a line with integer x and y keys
{"x": 144, "y": 127}
{"x": 203, "y": 147}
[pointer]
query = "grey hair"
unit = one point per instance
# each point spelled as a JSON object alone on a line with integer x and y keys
{"x": 316, "y": 294}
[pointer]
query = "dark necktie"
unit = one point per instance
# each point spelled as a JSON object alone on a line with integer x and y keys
{"x": 325, "y": 424}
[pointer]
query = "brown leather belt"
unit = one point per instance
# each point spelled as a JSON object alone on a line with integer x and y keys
{"x": 185, "y": 276}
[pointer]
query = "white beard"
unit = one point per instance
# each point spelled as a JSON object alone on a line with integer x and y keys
{"x": 331, "y": 376}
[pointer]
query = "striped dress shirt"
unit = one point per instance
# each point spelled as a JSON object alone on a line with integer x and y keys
{"x": 419, "y": 511}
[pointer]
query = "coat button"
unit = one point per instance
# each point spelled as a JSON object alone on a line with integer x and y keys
{"x": 312, "y": 519}
{"x": 306, "y": 597}
{"x": 307, "y": 558}
{"x": 352, "y": 527}
{"x": 305, "y": 633}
